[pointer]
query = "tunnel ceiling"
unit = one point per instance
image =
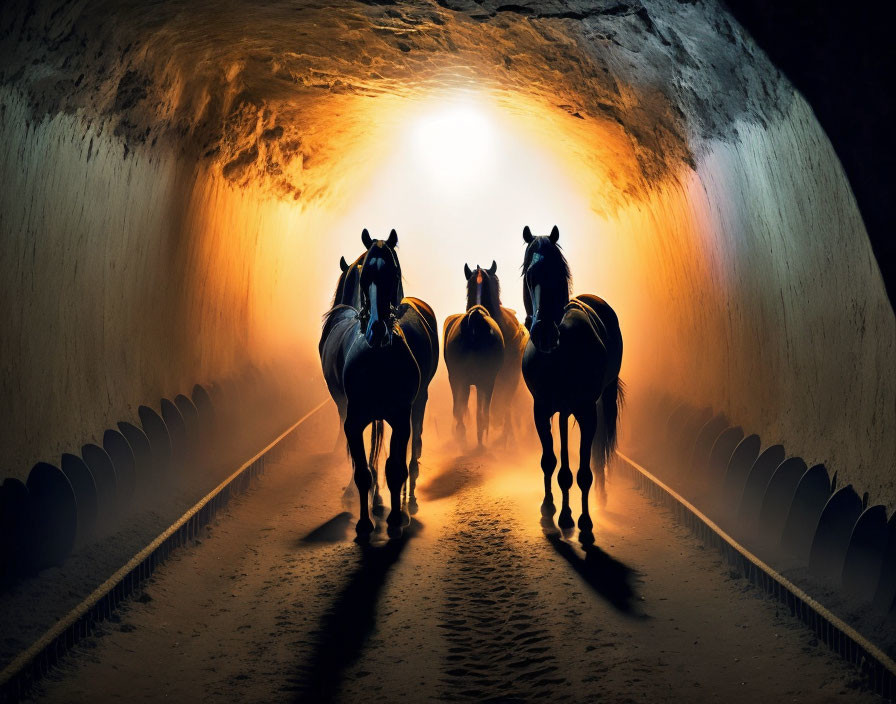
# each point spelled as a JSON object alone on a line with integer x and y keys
{"x": 277, "y": 92}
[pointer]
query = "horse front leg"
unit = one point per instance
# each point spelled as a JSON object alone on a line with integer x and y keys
{"x": 564, "y": 476}
{"x": 588, "y": 426}
{"x": 397, "y": 471}
{"x": 483, "y": 405}
{"x": 542, "y": 414}
{"x": 354, "y": 433}
{"x": 460, "y": 391}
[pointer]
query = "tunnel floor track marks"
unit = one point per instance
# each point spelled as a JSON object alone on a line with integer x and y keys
{"x": 499, "y": 649}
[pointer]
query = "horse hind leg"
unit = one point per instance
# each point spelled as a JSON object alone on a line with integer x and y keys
{"x": 587, "y": 427}
{"x": 418, "y": 412}
{"x": 564, "y": 476}
{"x": 376, "y": 442}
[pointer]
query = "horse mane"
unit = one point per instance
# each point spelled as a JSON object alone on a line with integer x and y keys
{"x": 491, "y": 294}
{"x": 553, "y": 254}
{"x": 554, "y": 257}
{"x": 335, "y": 311}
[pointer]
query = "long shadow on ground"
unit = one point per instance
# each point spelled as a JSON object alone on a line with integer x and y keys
{"x": 348, "y": 623}
{"x": 458, "y": 475}
{"x": 610, "y": 578}
{"x": 334, "y": 530}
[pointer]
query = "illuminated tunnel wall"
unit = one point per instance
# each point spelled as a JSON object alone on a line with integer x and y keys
{"x": 180, "y": 180}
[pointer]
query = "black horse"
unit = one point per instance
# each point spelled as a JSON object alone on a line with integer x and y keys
{"x": 571, "y": 366}
{"x": 474, "y": 355}
{"x": 484, "y": 289}
{"x": 381, "y": 358}
{"x": 347, "y": 289}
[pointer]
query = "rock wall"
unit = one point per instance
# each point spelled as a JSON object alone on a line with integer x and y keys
{"x": 128, "y": 275}
{"x": 761, "y": 298}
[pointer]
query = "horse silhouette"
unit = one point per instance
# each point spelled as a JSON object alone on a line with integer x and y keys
{"x": 347, "y": 289}
{"x": 487, "y": 293}
{"x": 348, "y": 293}
{"x": 474, "y": 355}
{"x": 379, "y": 358}
{"x": 571, "y": 366}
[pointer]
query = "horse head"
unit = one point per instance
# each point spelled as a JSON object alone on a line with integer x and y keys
{"x": 380, "y": 288}
{"x": 483, "y": 287}
{"x": 546, "y": 280}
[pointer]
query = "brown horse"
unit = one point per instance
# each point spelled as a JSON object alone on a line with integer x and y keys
{"x": 571, "y": 366}
{"x": 474, "y": 355}
{"x": 484, "y": 288}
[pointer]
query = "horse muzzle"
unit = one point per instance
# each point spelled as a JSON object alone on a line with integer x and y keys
{"x": 378, "y": 334}
{"x": 545, "y": 336}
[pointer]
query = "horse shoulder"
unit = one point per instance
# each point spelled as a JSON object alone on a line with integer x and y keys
{"x": 451, "y": 321}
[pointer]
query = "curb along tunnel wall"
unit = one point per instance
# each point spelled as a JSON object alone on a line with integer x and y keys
{"x": 171, "y": 198}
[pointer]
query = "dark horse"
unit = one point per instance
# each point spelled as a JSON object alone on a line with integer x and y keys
{"x": 474, "y": 355}
{"x": 381, "y": 357}
{"x": 571, "y": 366}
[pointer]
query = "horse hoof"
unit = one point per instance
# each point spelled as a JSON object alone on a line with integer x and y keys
{"x": 394, "y": 532}
{"x": 565, "y": 519}
{"x": 378, "y": 510}
{"x": 413, "y": 507}
{"x": 364, "y": 526}
{"x": 398, "y": 518}
{"x": 586, "y": 537}
{"x": 547, "y": 507}
{"x": 585, "y": 523}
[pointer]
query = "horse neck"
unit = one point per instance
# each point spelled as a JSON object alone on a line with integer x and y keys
{"x": 484, "y": 295}
{"x": 554, "y": 296}
{"x": 384, "y": 304}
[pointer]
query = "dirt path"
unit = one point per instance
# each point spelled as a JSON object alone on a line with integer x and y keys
{"x": 477, "y": 602}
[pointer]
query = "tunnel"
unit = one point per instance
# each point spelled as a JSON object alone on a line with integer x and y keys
{"x": 180, "y": 181}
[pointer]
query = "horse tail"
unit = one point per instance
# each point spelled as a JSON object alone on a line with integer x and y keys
{"x": 376, "y": 443}
{"x": 610, "y": 405}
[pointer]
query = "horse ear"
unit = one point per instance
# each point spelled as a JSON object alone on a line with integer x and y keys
{"x": 343, "y": 264}
{"x": 555, "y": 234}
{"x": 527, "y": 235}
{"x": 493, "y": 268}
{"x": 467, "y": 271}
{"x": 393, "y": 239}
{"x": 365, "y": 238}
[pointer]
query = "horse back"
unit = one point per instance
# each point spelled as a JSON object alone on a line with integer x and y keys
{"x": 515, "y": 334}
{"x": 474, "y": 346}
{"x": 607, "y": 325}
{"x": 418, "y": 323}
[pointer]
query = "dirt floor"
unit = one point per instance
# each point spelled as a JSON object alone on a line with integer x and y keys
{"x": 478, "y": 601}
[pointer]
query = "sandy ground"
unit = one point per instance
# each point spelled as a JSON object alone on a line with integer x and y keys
{"x": 32, "y": 604}
{"x": 477, "y": 602}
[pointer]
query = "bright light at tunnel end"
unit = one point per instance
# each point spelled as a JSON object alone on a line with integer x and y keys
{"x": 454, "y": 145}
